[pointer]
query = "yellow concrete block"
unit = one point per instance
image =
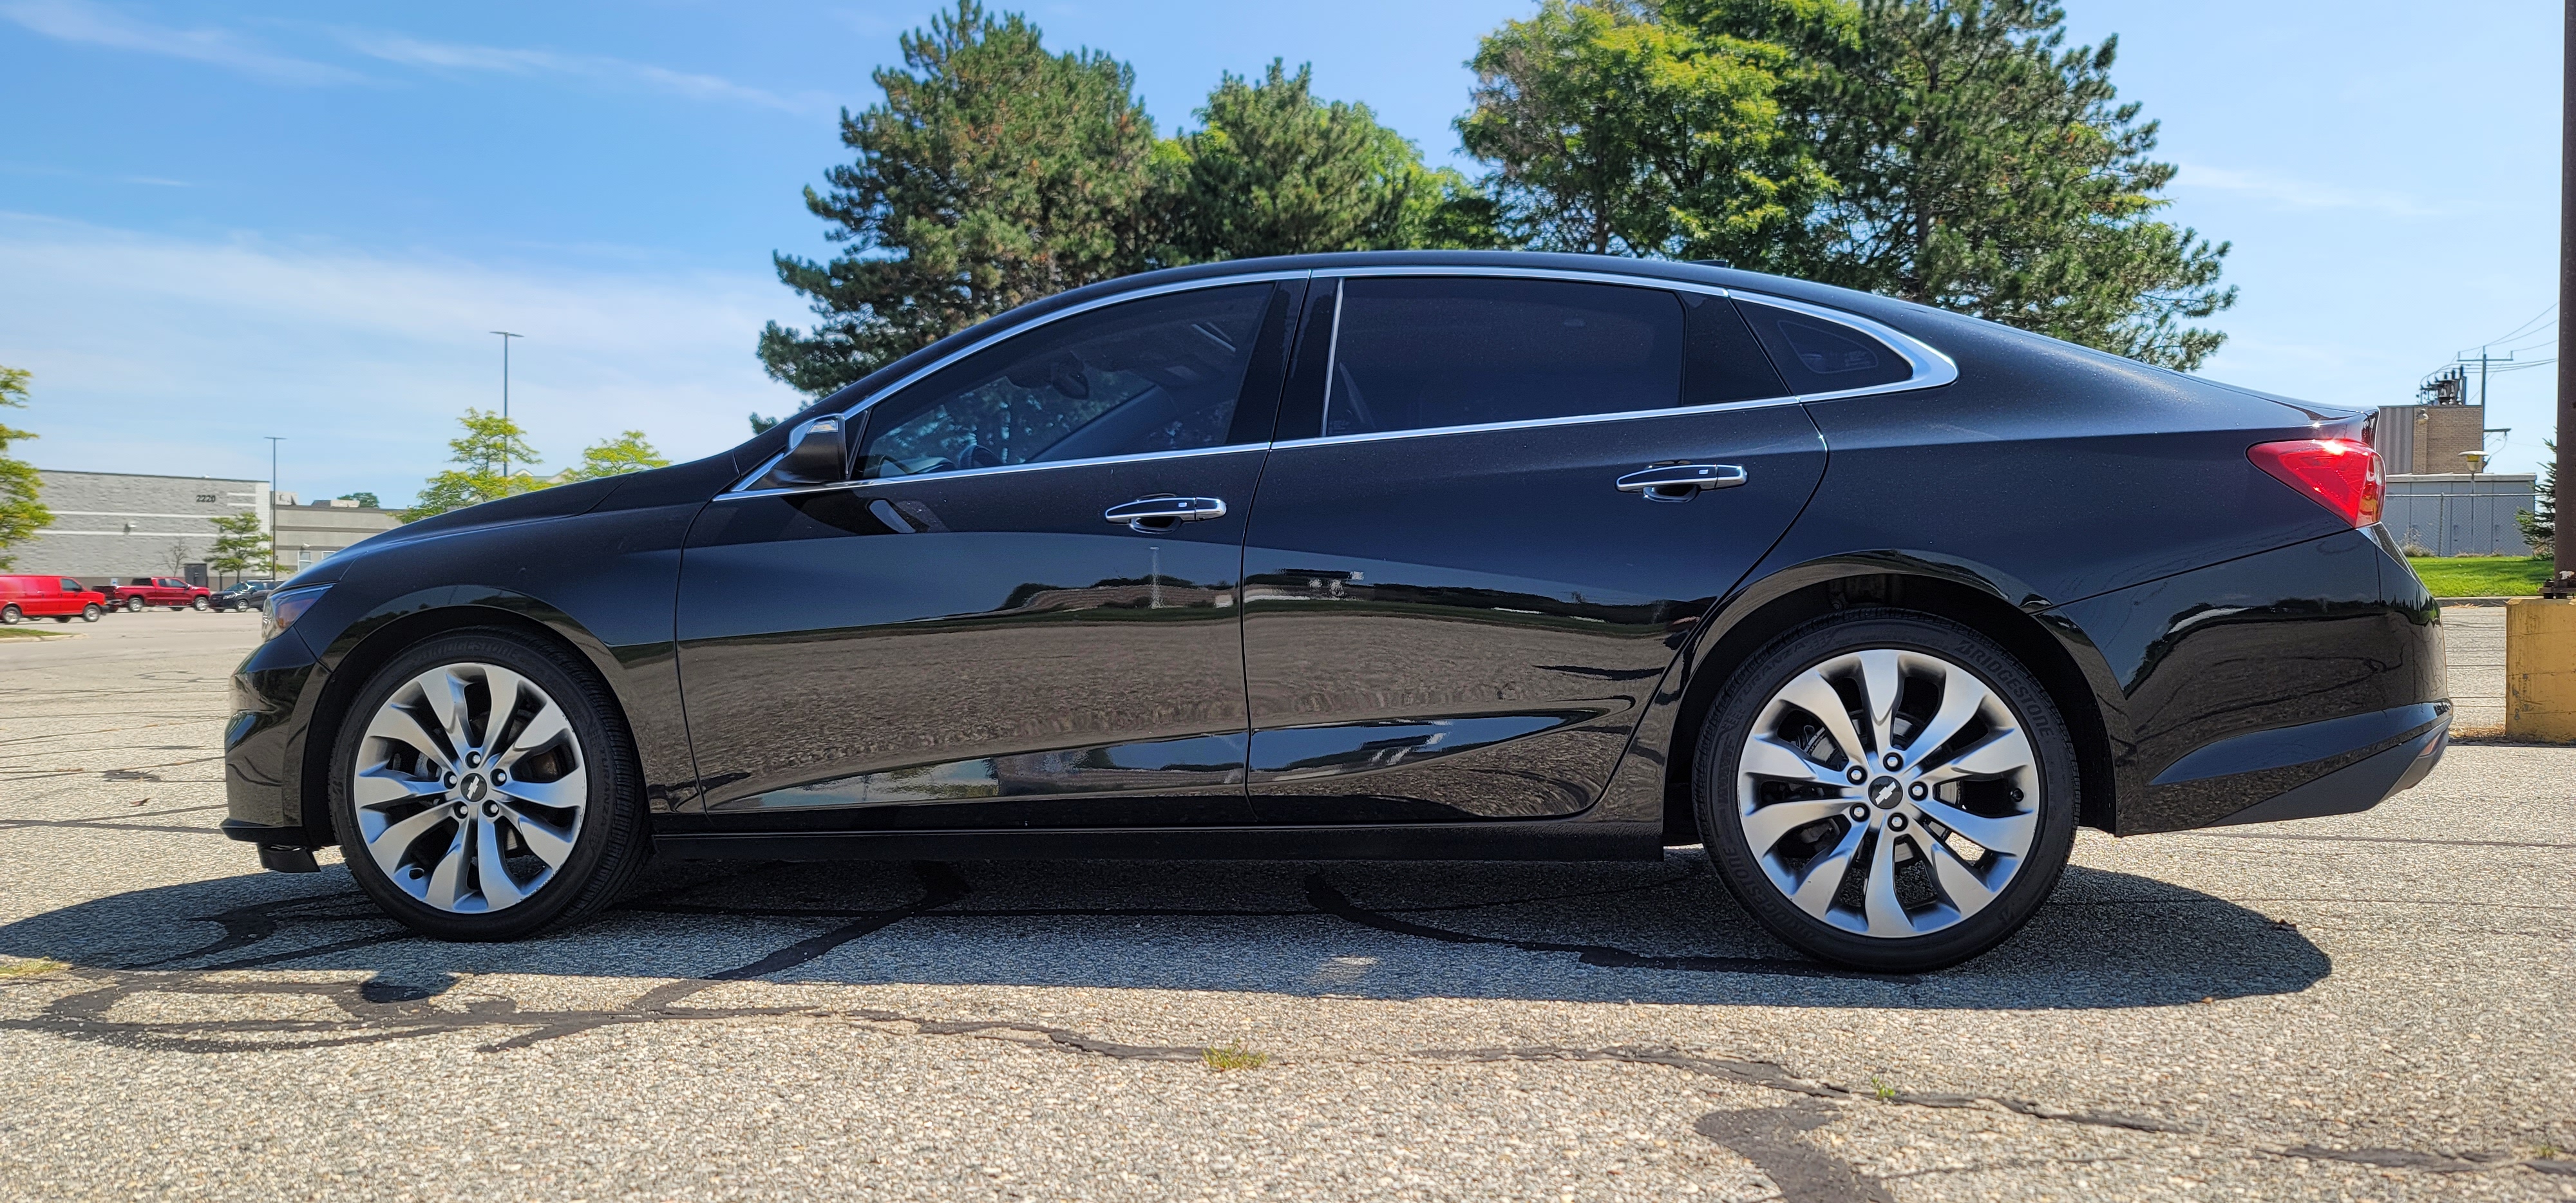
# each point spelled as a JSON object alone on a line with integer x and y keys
{"x": 2540, "y": 669}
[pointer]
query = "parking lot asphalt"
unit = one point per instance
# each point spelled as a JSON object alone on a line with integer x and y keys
{"x": 2366, "y": 1007}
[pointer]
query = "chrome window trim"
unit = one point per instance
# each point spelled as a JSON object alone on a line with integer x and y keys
{"x": 1931, "y": 367}
{"x": 965, "y": 473}
{"x": 741, "y": 489}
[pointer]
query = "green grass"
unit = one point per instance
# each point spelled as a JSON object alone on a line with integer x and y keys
{"x": 29, "y": 967}
{"x": 2482, "y": 576}
{"x": 1233, "y": 1056}
{"x": 24, "y": 633}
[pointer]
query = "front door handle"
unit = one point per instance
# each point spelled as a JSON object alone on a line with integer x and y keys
{"x": 1681, "y": 482}
{"x": 1151, "y": 514}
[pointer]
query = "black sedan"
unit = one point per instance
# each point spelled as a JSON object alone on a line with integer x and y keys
{"x": 1419, "y": 555}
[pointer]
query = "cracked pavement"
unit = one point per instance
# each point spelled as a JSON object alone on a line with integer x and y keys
{"x": 2367, "y": 1007}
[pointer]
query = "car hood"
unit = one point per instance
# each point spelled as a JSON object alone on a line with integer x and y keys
{"x": 560, "y": 501}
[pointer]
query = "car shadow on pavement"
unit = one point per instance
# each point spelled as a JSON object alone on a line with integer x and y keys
{"x": 1658, "y": 932}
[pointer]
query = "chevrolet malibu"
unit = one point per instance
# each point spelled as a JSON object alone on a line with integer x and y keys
{"x": 1403, "y": 555}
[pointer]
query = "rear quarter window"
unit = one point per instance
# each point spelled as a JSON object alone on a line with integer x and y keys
{"x": 1817, "y": 355}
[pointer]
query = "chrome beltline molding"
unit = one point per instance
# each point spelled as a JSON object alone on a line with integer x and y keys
{"x": 1931, "y": 367}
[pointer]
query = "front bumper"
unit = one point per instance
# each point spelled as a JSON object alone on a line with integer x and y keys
{"x": 274, "y": 693}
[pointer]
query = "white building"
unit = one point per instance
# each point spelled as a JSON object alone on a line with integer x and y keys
{"x": 122, "y": 525}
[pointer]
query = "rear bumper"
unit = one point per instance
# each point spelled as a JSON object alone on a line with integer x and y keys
{"x": 2368, "y": 759}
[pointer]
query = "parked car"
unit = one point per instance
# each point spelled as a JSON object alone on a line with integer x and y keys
{"x": 1421, "y": 555}
{"x": 57, "y": 597}
{"x": 168, "y": 591}
{"x": 246, "y": 595}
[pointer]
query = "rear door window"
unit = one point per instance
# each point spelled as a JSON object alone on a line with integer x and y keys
{"x": 1415, "y": 353}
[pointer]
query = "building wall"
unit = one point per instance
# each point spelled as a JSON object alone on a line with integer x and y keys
{"x": 121, "y": 525}
{"x": 308, "y": 534}
{"x": 2419, "y": 440}
{"x": 2456, "y": 514}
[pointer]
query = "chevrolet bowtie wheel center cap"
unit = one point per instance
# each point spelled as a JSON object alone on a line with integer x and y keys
{"x": 1884, "y": 793}
{"x": 474, "y": 787}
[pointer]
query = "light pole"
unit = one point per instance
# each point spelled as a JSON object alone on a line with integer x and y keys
{"x": 506, "y": 336}
{"x": 2563, "y": 583}
{"x": 273, "y": 441}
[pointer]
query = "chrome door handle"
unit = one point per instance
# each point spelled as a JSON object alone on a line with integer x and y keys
{"x": 1150, "y": 514}
{"x": 1681, "y": 482}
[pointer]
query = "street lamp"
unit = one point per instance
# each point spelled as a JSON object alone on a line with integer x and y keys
{"x": 506, "y": 336}
{"x": 273, "y": 441}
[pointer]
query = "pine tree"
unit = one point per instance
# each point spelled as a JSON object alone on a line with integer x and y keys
{"x": 1613, "y": 131}
{"x": 241, "y": 546}
{"x": 628, "y": 452}
{"x": 2540, "y": 529}
{"x": 993, "y": 173}
{"x": 489, "y": 442}
{"x": 1273, "y": 170}
{"x": 1981, "y": 166}
{"x": 21, "y": 515}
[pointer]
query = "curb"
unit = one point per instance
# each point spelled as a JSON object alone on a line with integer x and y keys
{"x": 2479, "y": 601}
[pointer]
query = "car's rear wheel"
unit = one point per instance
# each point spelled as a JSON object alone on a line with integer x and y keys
{"x": 133, "y": 605}
{"x": 89, "y": 612}
{"x": 11, "y": 616}
{"x": 485, "y": 787}
{"x": 1888, "y": 790}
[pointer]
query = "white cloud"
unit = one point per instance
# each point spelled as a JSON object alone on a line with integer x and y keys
{"x": 161, "y": 354}
{"x": 454, "y": 56}
{"x": 98, "y": 25}
{"x": 2291, "y": 193}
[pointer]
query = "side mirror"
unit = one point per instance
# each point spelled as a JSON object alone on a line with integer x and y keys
{"x": 818, "y": 453}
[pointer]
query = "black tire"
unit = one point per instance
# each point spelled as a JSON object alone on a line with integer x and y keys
{"x": 11, "y": 616}
{"x": 613, "y": 841}
{"x": 133, "y": 605}
{"x": 62, "y": 618}
{"x": 90, "y": 612}
{"x": 198, "y": 603}
{"x": 1772, "y": 669}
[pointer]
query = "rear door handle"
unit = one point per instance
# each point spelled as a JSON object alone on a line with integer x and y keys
{"x": 1150, "y": 514}
{"x": 1681, "y": 482}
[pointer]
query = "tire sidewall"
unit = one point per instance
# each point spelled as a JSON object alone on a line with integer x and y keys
{"x": 1730, "y": 721}
{"x": 607, "y": 820}
{"x": 10, "y": 615}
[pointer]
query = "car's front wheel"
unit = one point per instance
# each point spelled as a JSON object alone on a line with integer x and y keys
{"x": 1888, "y": 790}
{"x": 198, "y": 603}
{"x": 484, "y": 787}
{"x": 90, "y": 612}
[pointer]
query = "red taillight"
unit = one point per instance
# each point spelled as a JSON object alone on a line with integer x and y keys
{"x": 2339, "y": 474}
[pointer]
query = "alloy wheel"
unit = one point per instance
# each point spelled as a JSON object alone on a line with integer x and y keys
{"x": 469, "y": 787}
{"x": 1888, "y": 793}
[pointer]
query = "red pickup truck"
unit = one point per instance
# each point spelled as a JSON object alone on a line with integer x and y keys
{"x": 169, "y": 591}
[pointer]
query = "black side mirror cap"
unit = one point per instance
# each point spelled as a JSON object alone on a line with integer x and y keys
{"x": 818, "y": 453}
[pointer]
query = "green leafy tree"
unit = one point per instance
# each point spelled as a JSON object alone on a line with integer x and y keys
{"x": 21, "y": 515}
{"x": 628, "y": 452}
{"x": 489, "y": 443}
{"x": 993, "y": 173}
{"x": 364, "y": 498}
{"x": 1274, "y": 171}
{"x": 1612, "y": 131}
{"x": 760, "y": 424}
{"x": 2541, "y": 529}
{"x": 242, "y": 546}
{"x": 1981, "y": 165}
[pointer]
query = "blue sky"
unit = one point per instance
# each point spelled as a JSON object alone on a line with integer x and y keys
{"x": 224, "y": 221}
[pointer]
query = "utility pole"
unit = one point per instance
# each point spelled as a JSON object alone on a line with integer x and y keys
{"x": 506, "y": 336}
{"x": 2482, "y": 359}
{"x": 2564, "y": 584}
{"x": 273, "y": 441}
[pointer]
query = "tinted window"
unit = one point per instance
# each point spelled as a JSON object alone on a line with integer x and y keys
{"x": 1818, "y": 356}
{"x": 69, "y": 585}
{"x": 1161, "y": 374}
{"x": 1456, "y": 351}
